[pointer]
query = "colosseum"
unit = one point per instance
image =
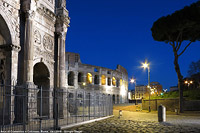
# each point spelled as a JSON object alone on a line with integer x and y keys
{"x": 95, "y": 78}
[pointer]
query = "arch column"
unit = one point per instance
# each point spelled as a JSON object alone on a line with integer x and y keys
{"x": 76, "y": 80}
{"x": 28, "y": 49}
{"x": 92, "y": 79}
{"x": 99, "y": 79}
{"x": 84, "y": 77}
{"x": 31, "y": 92}
{"x": 61, "y": 60}
{"x": 62, "y": 23}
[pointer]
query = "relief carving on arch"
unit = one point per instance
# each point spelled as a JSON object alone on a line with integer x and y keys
{"x": 37, "y": 37}
{"x": 48, "y": 43}
{"x": 13, "y": 14}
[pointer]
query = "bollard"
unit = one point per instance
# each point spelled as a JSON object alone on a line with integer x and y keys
{"x": 176, "y": 111}
{"x": 161, "y": 113}
{"x": 120, "y": 113}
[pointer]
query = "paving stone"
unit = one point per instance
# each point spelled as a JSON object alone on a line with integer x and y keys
{"x": 131, "y": 125}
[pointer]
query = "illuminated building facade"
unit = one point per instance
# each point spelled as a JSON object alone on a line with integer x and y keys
{"x": 142, "y": 92}
{"x": 89, "y": 77}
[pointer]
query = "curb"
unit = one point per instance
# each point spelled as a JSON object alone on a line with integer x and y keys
{"x": 83, "y": 123}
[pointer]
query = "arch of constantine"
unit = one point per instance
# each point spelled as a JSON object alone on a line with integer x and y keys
{"x": 32, "y": 53}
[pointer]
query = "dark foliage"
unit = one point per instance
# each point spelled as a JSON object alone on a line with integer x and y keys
{"x": 181, "y": 25}
{"x": 194, "y": 68}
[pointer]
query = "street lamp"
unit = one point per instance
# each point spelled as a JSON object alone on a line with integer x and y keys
{"x": 146, "y": 65}
{"x": 134, "y": 81}
{"x": 188, "y": 82}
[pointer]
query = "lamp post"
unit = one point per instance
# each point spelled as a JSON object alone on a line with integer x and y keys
{"x": 134, "y": 81}
{"x": 146, "y": 65}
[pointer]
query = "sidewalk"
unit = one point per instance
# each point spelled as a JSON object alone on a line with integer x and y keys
{"x": 185, "y": 119}
{"x": 142, "y": 122}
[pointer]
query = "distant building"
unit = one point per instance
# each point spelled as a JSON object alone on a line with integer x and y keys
{"x": 156, "y": 88}
{"x": 174, "y": 88}
{"x": 131, "y": 94}
{"x": 141, "y": 91}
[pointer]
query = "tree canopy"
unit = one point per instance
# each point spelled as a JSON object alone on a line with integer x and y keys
{"x": 194, "y": 68}
{"x": 179, "y": 26}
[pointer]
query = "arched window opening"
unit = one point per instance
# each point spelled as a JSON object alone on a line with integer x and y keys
{"x": 71, "y": 95}
{"x": 41, "y": 78}
{"x": 89, "y": 78}
{"x": 113, "y": 81}
{"x": 109, "y": 81}
{"x": 113, "y": 99}
{"x": 96, "y": 70}
{"x": 117, "y": 99}
{"x": 117, "y": 83}
{"x": 96, "y": 79}
{"x": 80, "y": 77}
{"x": 71, "y": 78}
{"x": 2, "y": 41}
{"x": 80, "y": 96}
{"x": 103, "y": 80}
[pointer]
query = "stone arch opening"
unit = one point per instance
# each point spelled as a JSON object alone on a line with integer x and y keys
{"x": 41, "y": 78}
{"x": 5, "y": 39}
{"x": 80, "y": 77}
{"x": 113, "y": 81}
{"x": 5, "y": 61}
{"x": 89, "y": 78}
{"x": 117, "y": 83}
{"x": 5, "y": 36}
{"x": 109, "y": 81}
{"x": 103, "y": 80}
{"x": 96, "y": 79}
{"x": 118, "y": 99}
{"x": 113, "y": 97}
{"x": 71, "y": 78}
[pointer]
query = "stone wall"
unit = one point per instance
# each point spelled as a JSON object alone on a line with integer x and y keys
{"x": 171, "y": 104}
{"x": 192, "y": 105}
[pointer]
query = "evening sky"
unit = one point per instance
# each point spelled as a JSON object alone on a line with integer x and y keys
{"x": 110, "y": 32}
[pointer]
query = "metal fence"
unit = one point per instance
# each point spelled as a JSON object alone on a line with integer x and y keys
{"x": 46, "y": 109}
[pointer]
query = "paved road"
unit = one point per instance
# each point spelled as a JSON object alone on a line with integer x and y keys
{"x": 142, "y": 122}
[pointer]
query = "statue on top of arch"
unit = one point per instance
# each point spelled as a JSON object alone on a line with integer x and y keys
{"x": 61, "y": 3}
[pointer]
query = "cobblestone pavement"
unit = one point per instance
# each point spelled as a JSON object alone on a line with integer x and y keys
{"x": 140, "y": 122}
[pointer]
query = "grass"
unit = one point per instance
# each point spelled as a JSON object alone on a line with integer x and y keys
{"x": 187, "y": 94}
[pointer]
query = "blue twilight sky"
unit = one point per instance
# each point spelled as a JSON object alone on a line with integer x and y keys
{"x": 110, "y": 32}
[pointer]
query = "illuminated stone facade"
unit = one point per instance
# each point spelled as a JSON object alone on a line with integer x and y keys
{"x": 95, "y": 78}
{"x": 32, "y": 49}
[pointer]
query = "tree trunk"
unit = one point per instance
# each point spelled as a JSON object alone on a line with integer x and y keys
{"x": 180, "y": 79}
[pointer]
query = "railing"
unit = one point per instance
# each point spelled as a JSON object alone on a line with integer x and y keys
{"x": 46, "y": 109}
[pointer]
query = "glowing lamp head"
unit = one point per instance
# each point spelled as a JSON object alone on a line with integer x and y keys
{"x": 186, "y": 82}
{"x": 145, "y": 65}
{"x": 132, "y": 80}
